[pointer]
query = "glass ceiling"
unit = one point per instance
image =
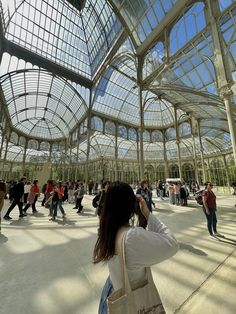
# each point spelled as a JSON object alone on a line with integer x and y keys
{"x": 40, "y": 104}
{"x": 56, "y": 31}
{"x": 142, "y": 17}
{"x": 101, "y": 43}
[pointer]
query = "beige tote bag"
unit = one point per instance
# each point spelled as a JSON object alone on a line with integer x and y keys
{"x": 142, "y": 300}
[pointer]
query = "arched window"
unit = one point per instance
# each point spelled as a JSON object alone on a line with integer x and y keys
{"x": 188, "y": 172}
{"x": 191, "y": 23}
{"x": 160, "y": 173}
{"x": 184, "y": 129}
{"x": 170, "y": 134}
{"x": 45, "y": 146}
{"x": 146, "y": 136}
{"x": 110, "y": 128}
{"x": 156, "y": 136}
{"x": 97, "y": 124}
{"x": 14, "y": 138}
{"x": 149, "y": 174}
{"x": 218, "y": 173}
{"x": 122, "y": 131}
{"x": 174, "y": 171}
{"x": 55, "y": 147}
{"x": 22, "y": 141}
{"x": 32, "y": 144}
{"x": 132, "y": 134}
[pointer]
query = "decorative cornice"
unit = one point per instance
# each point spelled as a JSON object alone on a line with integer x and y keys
{"x": 226, "y": 91}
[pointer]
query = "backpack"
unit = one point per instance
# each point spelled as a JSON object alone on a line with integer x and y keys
{"x": 96, "y": 200}
{"x": 198, "y": 197}
{"x": 55, "y": 197}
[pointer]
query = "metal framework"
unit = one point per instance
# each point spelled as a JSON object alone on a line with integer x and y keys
{"x": 120, "y": 80}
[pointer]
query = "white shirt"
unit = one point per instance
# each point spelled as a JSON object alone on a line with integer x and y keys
{"x": 27, "y": 188}
{"x": 143, "y": 248}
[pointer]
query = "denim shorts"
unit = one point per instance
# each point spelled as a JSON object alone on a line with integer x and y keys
{"x": 106, "y": 291}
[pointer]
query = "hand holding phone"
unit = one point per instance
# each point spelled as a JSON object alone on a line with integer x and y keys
{"x": 143, "y": 206}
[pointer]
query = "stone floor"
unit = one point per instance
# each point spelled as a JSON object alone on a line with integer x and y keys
{"x": 46, "y": 267}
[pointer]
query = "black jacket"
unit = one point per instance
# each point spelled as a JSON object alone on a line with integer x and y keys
{"x": 18, "y": 190}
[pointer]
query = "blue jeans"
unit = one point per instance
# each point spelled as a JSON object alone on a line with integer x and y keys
{"x": 60, "y": 207}
{"x": 53, "y": 208}
{"x": 211, "y": 220}
{"x": 106, "y": 291}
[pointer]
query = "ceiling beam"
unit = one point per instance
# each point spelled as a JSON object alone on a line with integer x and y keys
{"x": 110, "y": 55}
{"x": 42, "y": 62}
{"x": 168, "y": 21}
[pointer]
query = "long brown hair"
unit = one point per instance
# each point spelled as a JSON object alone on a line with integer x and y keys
{"x": 119, "y": 207}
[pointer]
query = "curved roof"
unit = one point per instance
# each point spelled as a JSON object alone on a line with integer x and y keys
{"x": 41, "y": 104}
{"x": 117, "y": 46}
{"x": 57, "y": 31}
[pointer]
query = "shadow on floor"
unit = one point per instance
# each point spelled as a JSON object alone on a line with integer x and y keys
{"x": 227, "y": 240}
{"x": 190, "y": 248}
{"x": 3, "y": 238}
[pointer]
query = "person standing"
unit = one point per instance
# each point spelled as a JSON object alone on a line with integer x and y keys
{"x": 53, "y": 203}
{"x": 209, "y": 209}
{"x": 146, "y": 193}
{"x": 183, "y": 194}
{"x": 71, "y": 190}
{"x": 3, "y": 190}
{"x": 143, "y": 248}
{"x": 161, "y": 189}
{"x": 177, "y": 193}
{"x": 18, "y": 195}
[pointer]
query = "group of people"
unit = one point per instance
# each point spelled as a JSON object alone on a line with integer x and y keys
{"x": 55, "y": 193}
{"x": 24, "y": 194}
{"x": 146, "y": 243}
{"x": 178, "y": 193}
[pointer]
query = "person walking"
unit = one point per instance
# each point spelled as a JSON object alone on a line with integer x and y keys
{"x": 61, "y": 192}
{"x": 48, "y": 192}
{"x": 209, "y": 209}
{"x": 18, "y": 198}
{"x": 32, "y": 197}
{"x": 27, "y": 188}
{"x": 143, "y": 248}
{"x": 43, "y": 190}
{"x": 80, "y": 194}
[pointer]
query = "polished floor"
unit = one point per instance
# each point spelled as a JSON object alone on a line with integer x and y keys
{"x": 46, "y": 267}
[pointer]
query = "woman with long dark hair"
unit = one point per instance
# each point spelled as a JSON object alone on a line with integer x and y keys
{"x": 143, "y": 247}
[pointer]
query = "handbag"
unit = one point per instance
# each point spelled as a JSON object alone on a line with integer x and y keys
{"x": 141, "y": 300}
{"x": 31, "y": 198}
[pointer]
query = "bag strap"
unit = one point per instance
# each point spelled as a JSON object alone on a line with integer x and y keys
{"x": 121, "y": 254}
{"x": 100, "y": 198}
